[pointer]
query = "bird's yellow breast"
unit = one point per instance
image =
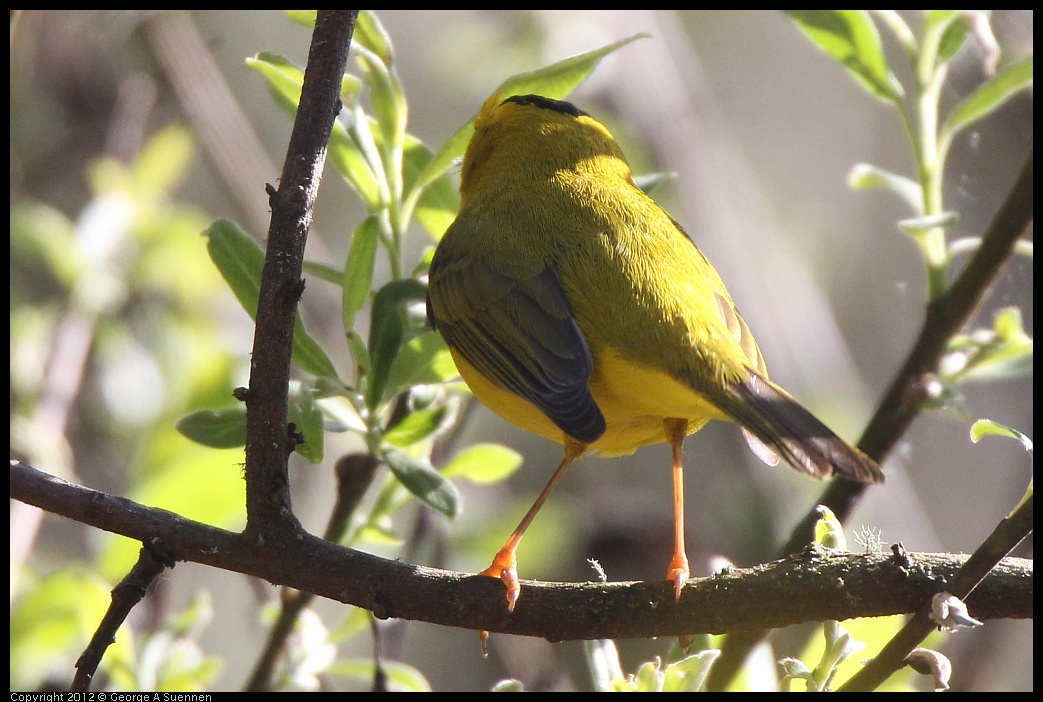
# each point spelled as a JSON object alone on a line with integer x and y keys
{"x": 634, "y": 399}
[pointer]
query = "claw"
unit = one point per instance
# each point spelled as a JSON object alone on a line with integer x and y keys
{"x": 505, "y": 568}
{"x": 678, "y": 574}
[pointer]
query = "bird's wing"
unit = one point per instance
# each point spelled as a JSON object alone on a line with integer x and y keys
{"x": 740, "y": 331}
{"x": 519, "y": 334}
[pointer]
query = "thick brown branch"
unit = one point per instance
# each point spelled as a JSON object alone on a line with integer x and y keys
{"x": 812, "y": 587}
{"x": 267, "y": 444}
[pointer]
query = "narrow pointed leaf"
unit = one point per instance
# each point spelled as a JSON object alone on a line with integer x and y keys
{"x": 240, "y": 261}
{"x": 850, "y": 37}
{"x": 425, "y": 482}
{"x": 989, "y": 97}
{"x": 387, "y": 331}
{"x": 283, "y": 76}
{"x": 358, "y": 269}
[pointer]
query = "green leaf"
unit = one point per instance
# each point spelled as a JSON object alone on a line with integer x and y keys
{"x": 440, "y": 201}
{"x": 989, "y": 97}
{"x": 829, "y": 532}
{"x": 1005, "y": 351}
{"x": 603, "y": 661}
{"x": 554, "y": 81}
{"x": 986, "y": 427}
{"x": 324, "y": 272}
{"x": 44, "y": 238}
{"x": 305, "y": 18}
{"x": 483, "y": 463}
{"x": 358, "y": 269}
{"x": 240, "y": 261}
{"x": 689, "y": 674}
{"x": 285, "y": 80}
{"x": 416, "y": 426}
{"x": 370, "y": 33}
{"x": 868, "y": 177}
{"x": 215, "y": 428}
{"x": 650, "y": 677}
{"x": 163, "y": 160}
{"x": 51, "y": 622}
{"x": 955, "y": 32}
{"x": 400, "y": 676}
{"x": 388, "y": 101}
{"x": 425, "y": 482}
{"x": 387, "y": 331}
{"x": 283, "y": 76}
{"x": 850, "y": 37}
{"x": 649, "y": 181}
{"x": 918, "y": 226}
{"x": 359, "y": 354}
{"x": 424, "y": 360}
{"x": 346, "y": 157}
{"x": 559, "y": 79}
{"x": 307, "y": 419}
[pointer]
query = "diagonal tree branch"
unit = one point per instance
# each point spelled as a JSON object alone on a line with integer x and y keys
{"x": 904, "y": 399}
{"x": 1004, "y": 538}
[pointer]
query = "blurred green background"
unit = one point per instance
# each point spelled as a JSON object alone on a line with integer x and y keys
{"x": 761, "y": 131}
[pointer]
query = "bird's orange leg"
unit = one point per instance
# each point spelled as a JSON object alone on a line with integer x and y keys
{"x": 505, "y": 564}
{"x": 678, "y": 572}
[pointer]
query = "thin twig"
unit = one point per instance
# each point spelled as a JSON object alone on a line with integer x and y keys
{"x": 150, "y": 564}
{"x": 892, "y": 658}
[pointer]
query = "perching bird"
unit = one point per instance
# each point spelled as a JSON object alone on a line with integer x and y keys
{"x": 575, "y": 307}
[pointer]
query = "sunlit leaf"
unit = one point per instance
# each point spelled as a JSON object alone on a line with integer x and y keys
{"x": 868, "y": 177}
{"x": 851, "y": 38}
{"x": 424, "y": 360}
{"x": 400, "y": 676}
{"x": 989, "y": 97}
{"x": 358, "y": 270}
{"x": 305, "y": 18}
{"x": 370, "y": 33}
{"x": 986, "y": 427}
{"x": 416, "y": 426}
{"x": 284, "y": 78}
{"x": 690, "y": 674}
{"x": 483, "y": 463}
{"x": 240, "y": 261}
{"x": 346, "y": 157}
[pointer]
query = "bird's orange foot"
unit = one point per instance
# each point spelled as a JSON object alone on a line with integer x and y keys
{"x": 678, "y": 573}
{"x": 505, "y": 567}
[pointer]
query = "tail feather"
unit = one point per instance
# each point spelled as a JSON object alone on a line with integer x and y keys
{"x": 775, "y": 423}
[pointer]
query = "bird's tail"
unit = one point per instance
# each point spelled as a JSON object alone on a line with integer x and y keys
{"x": 775, "y": 425}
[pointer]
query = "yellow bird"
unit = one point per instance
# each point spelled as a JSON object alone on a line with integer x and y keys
{"x": 576, "y": 308}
